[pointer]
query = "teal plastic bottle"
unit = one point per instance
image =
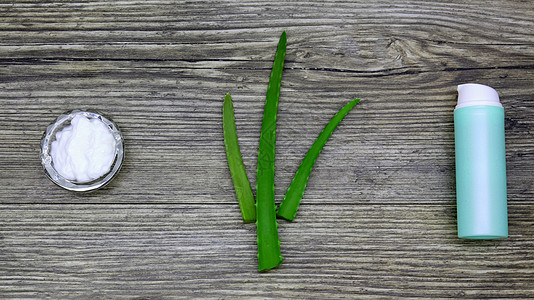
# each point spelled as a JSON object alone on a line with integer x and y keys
{"x": 480, "y": 163}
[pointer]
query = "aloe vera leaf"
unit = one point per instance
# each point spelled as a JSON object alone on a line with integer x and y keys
{"x": 290, "y": 204}
{"x": 245, "y": 198}
{"x": 269, "y": 255}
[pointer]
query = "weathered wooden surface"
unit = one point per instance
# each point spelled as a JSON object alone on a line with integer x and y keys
{"x": 378, "y": 217}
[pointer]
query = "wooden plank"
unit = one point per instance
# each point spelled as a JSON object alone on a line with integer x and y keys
{"x": 331, "y": 251}
{"x": 382, "y": 151}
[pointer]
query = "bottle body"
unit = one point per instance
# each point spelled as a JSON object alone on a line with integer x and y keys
{"x": 480, "y": 172}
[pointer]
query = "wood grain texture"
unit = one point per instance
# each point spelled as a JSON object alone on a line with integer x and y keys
{"x": 378, "y": 217}
{"x": 331, "y": 252}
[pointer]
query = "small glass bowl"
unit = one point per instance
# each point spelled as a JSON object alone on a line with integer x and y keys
{"x": 72, "y": 185}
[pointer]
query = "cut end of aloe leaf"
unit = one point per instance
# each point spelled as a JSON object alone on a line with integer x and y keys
{"x": 287, "y": 215}
{"x": 265, "y": 266}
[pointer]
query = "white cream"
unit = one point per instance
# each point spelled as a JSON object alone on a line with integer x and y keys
{"x": 84, "y": 150}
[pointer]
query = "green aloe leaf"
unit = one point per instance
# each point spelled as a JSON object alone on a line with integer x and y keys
{"x": 269, "y": 255}
{"x": 290, "y": 204}
{"x": 242, "y": 188}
